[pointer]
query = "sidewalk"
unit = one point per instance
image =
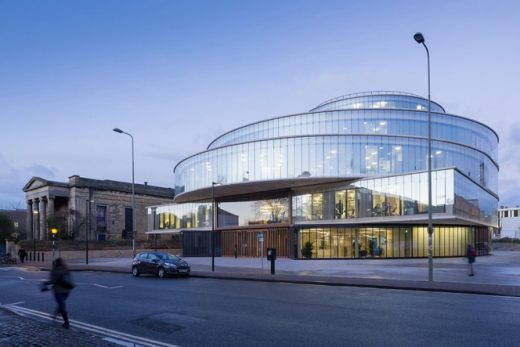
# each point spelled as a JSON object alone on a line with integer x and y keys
{"x": 17, "y": 330}
{"x": 498, "y": 274}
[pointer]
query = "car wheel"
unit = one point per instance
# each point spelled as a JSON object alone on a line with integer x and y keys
{"x": 135, "y": 271}
{"x": 160, "y": 272}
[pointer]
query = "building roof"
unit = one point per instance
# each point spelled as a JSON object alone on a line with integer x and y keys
{"x": 250, "y": 188}
{"x": 82, "y": 182}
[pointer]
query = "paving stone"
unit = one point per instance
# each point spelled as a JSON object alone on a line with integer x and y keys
{"x": 17, "y": 330}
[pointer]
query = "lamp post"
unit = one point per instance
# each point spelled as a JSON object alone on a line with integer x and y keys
{"x": 420, "y": 39}
{"x": 117, "y": 130}
{"x": 35, "y": 229}
{"x": 88, "y": 213}
{"x": 213, "y": 225}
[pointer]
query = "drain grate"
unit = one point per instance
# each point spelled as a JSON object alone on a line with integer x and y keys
{"x": 169, "y": 321}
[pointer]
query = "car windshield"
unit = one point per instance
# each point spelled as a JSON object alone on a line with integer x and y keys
{"x": 166, "y": 256}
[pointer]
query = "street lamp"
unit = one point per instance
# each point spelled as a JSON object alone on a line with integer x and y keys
{"x": 213, "y": 225}
{"x": 117, "y": 130}
{"x": 420, "y": 39}
{"x": 88, "y": 213}
{"x": 35, "y": 229}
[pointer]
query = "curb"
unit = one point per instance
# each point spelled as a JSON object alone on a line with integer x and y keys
{"x": 441, "y": 287}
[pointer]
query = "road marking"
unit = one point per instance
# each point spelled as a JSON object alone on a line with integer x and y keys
{"x": 82, "y": 283}
{"x": 98, "y": 285}
{"x": 101, "y": 286}
{"x": 117, "y": 335}
{"x": 121, "y": 343}
{"x": 13, "y": 303}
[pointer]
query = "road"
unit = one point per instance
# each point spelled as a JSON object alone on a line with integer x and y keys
{"x": 208, "y": 312}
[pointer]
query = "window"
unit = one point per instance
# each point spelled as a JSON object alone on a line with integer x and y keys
{"x": 101, "y": 219}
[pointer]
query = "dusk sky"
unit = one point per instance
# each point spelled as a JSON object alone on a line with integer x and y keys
{"x": 176, "y": 74}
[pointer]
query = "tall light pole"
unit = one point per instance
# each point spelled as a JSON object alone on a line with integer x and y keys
{"x": 420, "y": 39}
{"x": 117, "y": 130}
{"x": 213, "y": 225}
{"x": 88, "y": 213}
{"x": 35, "y": 232}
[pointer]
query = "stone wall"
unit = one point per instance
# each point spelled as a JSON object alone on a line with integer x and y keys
{"x": 93, "y": 254}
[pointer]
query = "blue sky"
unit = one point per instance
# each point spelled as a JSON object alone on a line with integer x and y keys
{"x": 176, "y": 74}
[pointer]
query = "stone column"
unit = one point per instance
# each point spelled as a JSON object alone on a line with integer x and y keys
{"x": 50, "y": 206}
{"x": 29, "y": 225}
{"x": 43, "y": 218}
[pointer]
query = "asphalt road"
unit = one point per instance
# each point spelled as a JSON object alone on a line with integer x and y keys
{"x": 207, "y": 312}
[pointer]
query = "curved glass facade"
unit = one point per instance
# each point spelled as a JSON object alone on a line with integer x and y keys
{"x": 366, "y": 134}
{"x": 445, "y": 127}
{"x": 397, "y": 100}
{"x": 378, "y": 138}
{"x": 330, "y": 156}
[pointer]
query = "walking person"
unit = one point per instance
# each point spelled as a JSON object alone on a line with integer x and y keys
{"x": 22, "y": 254}
{"x": 471, "y": 254}
{"x": 62, "y": 284}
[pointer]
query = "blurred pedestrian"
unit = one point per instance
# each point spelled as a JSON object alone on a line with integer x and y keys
{"x": 22, "y": 254}
{"x": 471, "y": 254}
{"x": 62, "y": 284}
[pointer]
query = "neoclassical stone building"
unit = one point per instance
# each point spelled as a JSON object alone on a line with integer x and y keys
{"x": 102, "y": 206}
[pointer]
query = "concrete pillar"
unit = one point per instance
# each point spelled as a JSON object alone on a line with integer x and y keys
{"x": 50, "y": 206}
{"x": 43, "y": 219}
{"x": 29, "y": 225}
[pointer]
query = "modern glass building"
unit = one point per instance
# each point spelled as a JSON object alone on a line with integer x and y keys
{"x": 348, "y": 179}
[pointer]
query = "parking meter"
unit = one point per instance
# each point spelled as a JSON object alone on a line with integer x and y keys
{"x": 271, "y": 255}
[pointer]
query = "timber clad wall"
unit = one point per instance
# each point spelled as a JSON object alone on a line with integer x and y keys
{"x": 248, "y": 245}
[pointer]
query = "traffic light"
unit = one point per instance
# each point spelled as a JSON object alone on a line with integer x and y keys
{"x": 54, "y": 232}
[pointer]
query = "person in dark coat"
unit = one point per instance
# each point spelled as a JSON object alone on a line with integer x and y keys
{"x": 22, "y": 254}
{"x": 62, "y": 284}
{"x": 471, "y": 253}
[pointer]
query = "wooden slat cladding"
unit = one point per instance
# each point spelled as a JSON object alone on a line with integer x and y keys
{"x": 248, "y": 245}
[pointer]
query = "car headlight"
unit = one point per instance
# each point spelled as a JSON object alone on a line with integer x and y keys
{"x": 170, "y": 265}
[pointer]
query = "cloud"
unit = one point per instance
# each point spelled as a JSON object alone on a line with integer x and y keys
{"x": 13, "y": 179}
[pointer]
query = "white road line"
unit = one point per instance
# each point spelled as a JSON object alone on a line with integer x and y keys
{"x": 101, "y": 286}
{"x": 82, "y": 283}
{"x": 98, "y": 285}
{"x": 13, "y": 303}
{"x": 142, "y": 341}
{"x": 121, "y": 343}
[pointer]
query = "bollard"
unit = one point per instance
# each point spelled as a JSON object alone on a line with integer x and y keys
{"x": 271, "y": 255}
{"x": 38, "y": 256}
{"x": 43, "y": 256}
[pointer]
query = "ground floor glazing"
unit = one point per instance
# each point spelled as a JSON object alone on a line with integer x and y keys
{"x": 338, "y": 242}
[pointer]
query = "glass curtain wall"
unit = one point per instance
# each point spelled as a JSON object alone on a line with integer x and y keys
{"x": 453, "y": 193}
{"x": 179, "y": 216}
{"x": 329, "y": 156}
{"x": 384, "y": 241}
